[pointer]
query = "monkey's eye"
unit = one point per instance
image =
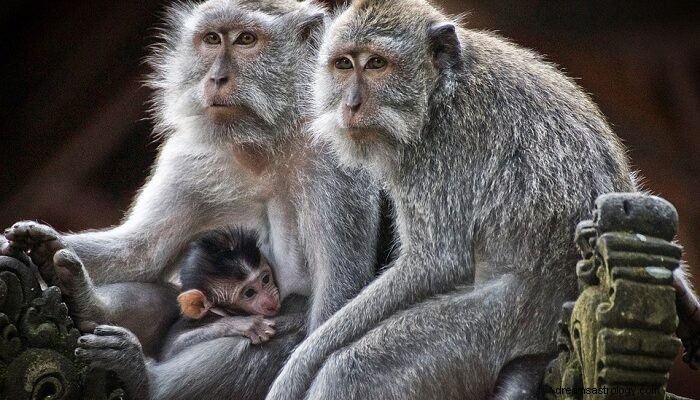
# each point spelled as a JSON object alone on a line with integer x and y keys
{"x": 245, "y": 39}
{"x": 343, "y": 63}
{"x": 375, "y": 62}
{"x": 212, "y": 38}
{"x": 266, "y": 279}
{"x": 249, "y": 293}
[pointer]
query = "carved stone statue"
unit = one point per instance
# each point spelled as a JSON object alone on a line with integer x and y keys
{"x": 618, "y": 337}
{"x": 37, "y": 341}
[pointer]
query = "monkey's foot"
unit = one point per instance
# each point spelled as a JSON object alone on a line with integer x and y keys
{"x": 256, "y": 328}
{"x": 116, "y": 349}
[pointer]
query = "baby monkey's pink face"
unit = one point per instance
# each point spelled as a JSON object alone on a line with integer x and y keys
{"x": 258, "y": 294}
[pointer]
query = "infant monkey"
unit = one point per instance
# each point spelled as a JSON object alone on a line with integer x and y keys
{"x": 223, "y": 274}
{"x": 227, "y": 290}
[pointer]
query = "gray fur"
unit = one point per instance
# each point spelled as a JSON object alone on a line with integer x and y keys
{"x": 491, "y": 156}
{"x": 184, "y": 369}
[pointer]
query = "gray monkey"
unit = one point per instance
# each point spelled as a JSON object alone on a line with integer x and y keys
{"x": 491, "y": 156}
{"x": 231, "y": 81}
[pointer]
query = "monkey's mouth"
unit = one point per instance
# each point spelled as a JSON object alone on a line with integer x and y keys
{"x": 221, "y": 112}
{"x": 272, "y": 313}
{"x": 223, "y": 105}
{"x": 364, "y": 134}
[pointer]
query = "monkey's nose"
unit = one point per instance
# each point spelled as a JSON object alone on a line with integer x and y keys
{"x": 219, "y": 80}
{"x": 354, "y": 102}
{"x": 351, "y": 110}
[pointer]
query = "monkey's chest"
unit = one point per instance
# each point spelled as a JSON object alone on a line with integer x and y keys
{"x": 281, "y": 246}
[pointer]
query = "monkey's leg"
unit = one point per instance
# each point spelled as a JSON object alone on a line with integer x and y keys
{"x": 147, "y": 309}
{"x": 230, "y": 367}
{"x": 452, "y": 347}
{"x": 224, "y": 368}
{"x": 116, "y": 349}
{"x": 521, "y": 378}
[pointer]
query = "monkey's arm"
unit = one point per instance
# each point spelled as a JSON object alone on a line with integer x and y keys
{"x": 132, "y": 305}
{"x": 407, "y": 282}
{"x": 167, "y": 212}
{"x": 339, "y": 221}
{"x": 255, "y": 327}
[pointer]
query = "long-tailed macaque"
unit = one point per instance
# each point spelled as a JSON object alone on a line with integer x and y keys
{"x": 231, "y": 99}
{"x": 491, "y": 157}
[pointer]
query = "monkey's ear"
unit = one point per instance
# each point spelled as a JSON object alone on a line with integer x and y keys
{"x": 193, "y": 304}
{"x": 444, "y": 42}
{"x": 310, "y": 21}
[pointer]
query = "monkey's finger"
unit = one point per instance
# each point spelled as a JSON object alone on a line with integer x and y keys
{"x": 7, "y": 249}
{"x": 34, "y": 231}
{"x": 265, "y": 334}
{"x": 255, "y": 339}
{"x": 270, "y": 331}
{"x": 67, "y": 259}
{"x": 111, "y": 330}
{"x": 87, "y": 326}
{"x": 269, "y": 323}
{"x": 264, "y": 338}
{"x": 261, "y": 330}
{"x": 18, "y": 245}
{"x": 102, "y": 342}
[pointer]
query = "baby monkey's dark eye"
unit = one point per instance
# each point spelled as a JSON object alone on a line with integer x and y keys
{"x": 249, "y": 293}
{"x": 245, "y": 39}
{"x": 343, "y": 63}
{"x": 211, "y": 38}
{"x": 266, "y": 279}
{"x": 375, "y": 62}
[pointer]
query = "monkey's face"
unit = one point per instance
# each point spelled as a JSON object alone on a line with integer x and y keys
{"x": 373, "y": 83}
{"x": 235, "y": 68}
{"x": 258, "y": 294}
{"x": 227, "y": 50}
{"x": 255, "y": 295}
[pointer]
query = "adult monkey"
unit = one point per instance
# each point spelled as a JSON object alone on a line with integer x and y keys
{"x": 230, "y": 102}
{"x": 491, "y": 157}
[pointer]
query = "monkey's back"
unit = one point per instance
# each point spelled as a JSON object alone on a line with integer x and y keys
{"x": 515, "y": 152}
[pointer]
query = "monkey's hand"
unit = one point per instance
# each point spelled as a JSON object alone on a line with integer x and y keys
{"x": 689, "y": 319}
{"x": 41, "y": 242}
{"x": 256, "y": 328}
{"x": 116, "y": 349}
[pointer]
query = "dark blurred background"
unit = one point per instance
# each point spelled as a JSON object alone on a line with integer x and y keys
{"x": 74, "y": 133}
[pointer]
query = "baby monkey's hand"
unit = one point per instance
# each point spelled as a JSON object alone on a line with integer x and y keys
{"x": 255, "y": 327}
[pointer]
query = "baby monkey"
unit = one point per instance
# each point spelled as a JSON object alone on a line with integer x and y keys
{"x": 223, "y": 274}
{"x": 227, "y": 290}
